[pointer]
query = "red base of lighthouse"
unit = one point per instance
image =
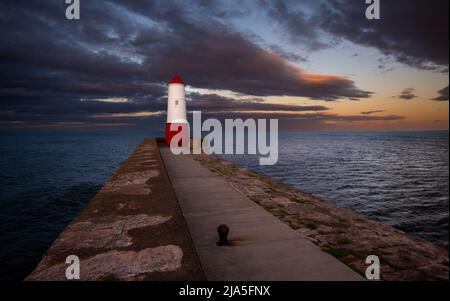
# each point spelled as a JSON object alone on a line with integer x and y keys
{"x": 179, "y": 127}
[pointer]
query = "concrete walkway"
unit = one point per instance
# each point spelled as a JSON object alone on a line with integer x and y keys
{"x": 262, "y": 247}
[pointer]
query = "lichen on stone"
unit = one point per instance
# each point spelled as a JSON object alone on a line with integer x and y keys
{"x": 132, "y": 183}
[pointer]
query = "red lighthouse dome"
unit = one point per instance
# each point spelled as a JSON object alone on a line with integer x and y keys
{"x": 176, "y": 79}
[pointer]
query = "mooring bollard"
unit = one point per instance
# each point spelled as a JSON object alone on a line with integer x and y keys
{"x": 223, "y": 231}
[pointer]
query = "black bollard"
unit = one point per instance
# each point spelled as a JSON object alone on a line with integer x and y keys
{"x": 223, "y": 231}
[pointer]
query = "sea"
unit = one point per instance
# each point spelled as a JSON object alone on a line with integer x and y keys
{"x": 46, "y": 177}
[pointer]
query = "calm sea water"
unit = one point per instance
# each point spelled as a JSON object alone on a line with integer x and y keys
{"x": 46, "y": 178}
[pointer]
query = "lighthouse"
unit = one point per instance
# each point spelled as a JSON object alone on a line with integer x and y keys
{"x": 176, "y": 111}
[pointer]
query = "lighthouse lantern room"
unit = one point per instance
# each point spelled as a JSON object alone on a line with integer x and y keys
{"x": 176, "y": 111}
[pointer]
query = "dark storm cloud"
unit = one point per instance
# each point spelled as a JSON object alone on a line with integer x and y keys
{"x": 443, "y": 95}
{"x": 312, "y": 116}
{"x": 129, "y": 49}
{"x": 48, "y": 64}
{"x": 414, "y": 32}
{"x": 407, "y": 94}
{"x": 310, "y": 121}
{"x": 372, "y": 112}
{"x": 214, "y": 56}
{"x": 217, "y": 103}
{"x": 298, "y": 25}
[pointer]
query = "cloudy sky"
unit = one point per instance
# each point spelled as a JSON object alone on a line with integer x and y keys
{"x": 315, "y": 65}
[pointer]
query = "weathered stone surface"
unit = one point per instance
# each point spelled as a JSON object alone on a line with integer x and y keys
{"x": 109, "y": 235}
{"x": 344, "y": 233}
{"x": 120, "y": 265}
{"x": 132, "y": 183}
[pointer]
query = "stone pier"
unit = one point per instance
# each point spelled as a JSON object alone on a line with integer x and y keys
{"x": 133, "y": 229}
{"x": 261, "y": 246}
{"x": 157, "y": 219}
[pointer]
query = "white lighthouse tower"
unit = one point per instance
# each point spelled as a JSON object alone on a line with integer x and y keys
{"x": 176, "y": 109}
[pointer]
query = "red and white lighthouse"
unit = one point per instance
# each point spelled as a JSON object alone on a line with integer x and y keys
{"x": 176, "y": 111}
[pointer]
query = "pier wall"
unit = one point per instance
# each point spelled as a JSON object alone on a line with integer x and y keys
{"x": 132, "y": 229}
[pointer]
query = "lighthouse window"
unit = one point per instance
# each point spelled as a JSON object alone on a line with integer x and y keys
{"x": 176, "y": 102}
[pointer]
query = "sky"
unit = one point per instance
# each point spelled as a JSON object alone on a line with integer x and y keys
{"x": 315, "y": 65}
